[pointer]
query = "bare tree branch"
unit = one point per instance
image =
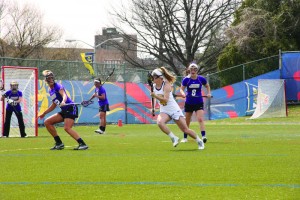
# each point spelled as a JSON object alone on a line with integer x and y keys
{"x": 25, "y": 32}
{"x": 175, "y": 31}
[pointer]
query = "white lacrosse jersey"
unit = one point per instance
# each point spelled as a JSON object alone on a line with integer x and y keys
{"x": 166, "y": 107}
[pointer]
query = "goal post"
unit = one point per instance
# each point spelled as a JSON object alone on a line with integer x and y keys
{"x": 271, "y": 99}
{"x": 27, "y": 78}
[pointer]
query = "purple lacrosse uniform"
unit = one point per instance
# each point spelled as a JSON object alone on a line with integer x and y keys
{"x": 14, "y": 96}
{"x": 101, "y": 91}
{"x": 193, "y": 89}
{"x": 56, "y": 97}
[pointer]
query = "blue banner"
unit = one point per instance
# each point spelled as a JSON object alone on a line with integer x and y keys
{"x": 290, "y": 71}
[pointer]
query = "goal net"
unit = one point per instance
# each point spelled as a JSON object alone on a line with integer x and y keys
{"x": 27, "y": 80}
{"x": 271, "y": 101}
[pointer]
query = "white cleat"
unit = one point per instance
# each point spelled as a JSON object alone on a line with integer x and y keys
{"x": 175, "y": 141}
{"x": 201, "y": 145}
{"x": 99, "y": 131}
{"x": 184, "y": 140}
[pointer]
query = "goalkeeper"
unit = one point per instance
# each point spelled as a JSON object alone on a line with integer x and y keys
{"x": 68, "y": 113}
{"x": 14, "y": 97}
{"x": 100, "y": 93}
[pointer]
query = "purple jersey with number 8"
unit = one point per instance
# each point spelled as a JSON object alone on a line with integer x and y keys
{"x": 193, "y": 89}
{"x": 56, "y": 97}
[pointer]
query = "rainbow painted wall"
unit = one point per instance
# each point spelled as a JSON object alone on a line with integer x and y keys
{"x": 131, "y": 102}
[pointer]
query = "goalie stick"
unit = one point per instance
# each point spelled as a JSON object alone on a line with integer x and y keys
{"x": 150, "y": 79}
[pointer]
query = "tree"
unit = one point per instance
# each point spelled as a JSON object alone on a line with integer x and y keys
{"x": 176, "y": 32}
{"x": 24, "y": 33}
{"x": 260, "y": 29}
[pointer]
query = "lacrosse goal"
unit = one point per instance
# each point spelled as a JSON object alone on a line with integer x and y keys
{"x": 271, "y": 100}
{"x": 27, "y": 79}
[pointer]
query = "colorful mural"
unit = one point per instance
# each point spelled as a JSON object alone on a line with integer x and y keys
{"x": 132, "y": 97}
{"x": 238, "y": 99}
{"x": 131, "y": 102}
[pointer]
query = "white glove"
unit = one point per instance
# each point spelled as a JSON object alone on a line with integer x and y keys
{"x": 10, "y": 101}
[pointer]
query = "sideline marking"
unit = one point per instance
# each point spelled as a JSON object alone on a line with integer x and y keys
{"x": 296, "y": 186}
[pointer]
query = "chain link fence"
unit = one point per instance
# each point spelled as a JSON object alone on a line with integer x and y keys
{"x": 243, "y": 72}
{"x": 76, "y": 71}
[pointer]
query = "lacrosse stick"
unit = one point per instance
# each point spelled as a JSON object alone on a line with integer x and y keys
{"x": 150, "y": 79}
{"x": 111, "y": 73}
{"x": 83, "y": 103}
{"x": 179, "y": 95}
{"x": 2, "y": 89}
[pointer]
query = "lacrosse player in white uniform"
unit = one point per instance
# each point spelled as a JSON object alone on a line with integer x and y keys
{"x": 169, "y": 109}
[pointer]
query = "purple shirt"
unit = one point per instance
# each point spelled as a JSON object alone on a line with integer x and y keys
{"x": 193, "y": 89}
{"x": 56, "y": 97}
{"x": 101, "y": 91}
{"x": 14, "y": 96}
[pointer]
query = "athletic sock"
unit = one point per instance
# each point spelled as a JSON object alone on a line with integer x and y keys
{"x": 57, "y": 140}
{"x": 80, "y": 141}
{"x": 185, "y": 135}
{"x": 171, "y": 135}
{"x": 203, "y": 133}
{"x": 102, "y": 128}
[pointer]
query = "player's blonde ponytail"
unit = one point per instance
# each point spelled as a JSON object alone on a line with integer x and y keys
{"x": 170, "y": 77}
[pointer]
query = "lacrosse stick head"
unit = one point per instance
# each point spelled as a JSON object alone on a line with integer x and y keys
{"x": 150, "y": 79}
{"x": 86, "y": 103}
{"x": 1, "y": 85}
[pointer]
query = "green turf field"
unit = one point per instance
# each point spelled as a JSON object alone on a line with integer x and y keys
{"x": 243, "y": 159}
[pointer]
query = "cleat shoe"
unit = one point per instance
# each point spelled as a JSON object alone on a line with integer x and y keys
{"x": 175, "y": 141}
{"x": 201, "y": 145}
{"x": 81, "y": 147}
{"x": 204, "y": 139}
{"x": 58, "y": 147}
{"x": 99, "y": 131}
{"x": 184, "y": 140}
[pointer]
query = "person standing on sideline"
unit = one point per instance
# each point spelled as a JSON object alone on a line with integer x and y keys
{"x": 68, "y": 113}
{"x": 100, "y": 93}
{"x": 14, "y": 98}
{"x": 169, "y": 109}
{"x": 194, "y": 100}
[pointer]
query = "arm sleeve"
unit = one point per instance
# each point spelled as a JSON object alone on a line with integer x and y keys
{"x": 184, "y": 81}
{"x": 203, "y": 80}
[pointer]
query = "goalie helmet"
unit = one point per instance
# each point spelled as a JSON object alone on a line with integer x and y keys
{"x": 49, "y": 76}
{"x": 14, "y": 85}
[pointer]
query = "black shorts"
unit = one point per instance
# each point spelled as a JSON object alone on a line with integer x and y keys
{"x": 104, "y": 108}
{"x": 71, "y": 112}
{"x": 193, "y": 107}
